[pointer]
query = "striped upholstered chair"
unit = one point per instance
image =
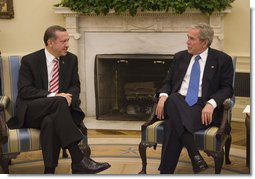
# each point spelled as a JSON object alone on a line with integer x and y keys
{"x": 211, "y": 140}
{"x": 14, "y": 141}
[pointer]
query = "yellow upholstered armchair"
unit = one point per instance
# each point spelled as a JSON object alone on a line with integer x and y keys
{"x": 212, "y": 140}
{"x": 14, "y": 141}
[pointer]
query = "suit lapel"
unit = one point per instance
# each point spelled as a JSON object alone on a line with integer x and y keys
{"x": 62, "y": 66}
{"x": 183, "y": 66}
{"x": 43, "y": 69}
{"x": 210, "y": 68}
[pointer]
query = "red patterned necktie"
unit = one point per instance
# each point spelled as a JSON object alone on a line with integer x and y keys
{"x": 54, "y": 82}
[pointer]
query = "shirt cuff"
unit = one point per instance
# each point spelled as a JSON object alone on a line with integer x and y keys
{"x": 163, "y": 94}
{"x": 51, "y": 95}
{"x": 213, "y": 103}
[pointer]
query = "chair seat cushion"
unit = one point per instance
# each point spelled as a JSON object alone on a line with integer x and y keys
{"x": 22, "y": 140}
{"x": 205, "y": 139}
{"x": 154, "y": 133}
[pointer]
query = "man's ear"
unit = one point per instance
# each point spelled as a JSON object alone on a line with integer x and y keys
{"x": 205, "y": 43}
{"x": 49, "y": 42}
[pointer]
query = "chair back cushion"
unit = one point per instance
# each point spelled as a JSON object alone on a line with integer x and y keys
{"x": 9, "y": 66}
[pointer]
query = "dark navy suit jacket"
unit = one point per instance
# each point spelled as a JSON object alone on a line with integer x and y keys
{"x": 216, "y": 82}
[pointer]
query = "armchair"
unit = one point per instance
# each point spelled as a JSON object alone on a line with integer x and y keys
{"x": 14, "y": 141}
{"x": 212, "y": 140}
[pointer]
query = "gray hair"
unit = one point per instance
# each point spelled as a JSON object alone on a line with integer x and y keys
{"x": 206, "y": 32}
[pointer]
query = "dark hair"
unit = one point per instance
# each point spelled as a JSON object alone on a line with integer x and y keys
{"x": 50, "y": 33}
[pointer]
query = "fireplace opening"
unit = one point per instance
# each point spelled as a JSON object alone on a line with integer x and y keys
{"x": 126, "y": 83}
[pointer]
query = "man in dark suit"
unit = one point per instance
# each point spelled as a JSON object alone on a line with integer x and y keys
{"x": 192, "y": 98}
{"x": 48, "y": 99}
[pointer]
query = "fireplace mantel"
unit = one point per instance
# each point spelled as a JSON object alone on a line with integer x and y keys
{"x": 77, "y": 23}
{"x": 147, "y": 32}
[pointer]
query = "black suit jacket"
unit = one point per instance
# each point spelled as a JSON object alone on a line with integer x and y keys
{"x": 33, "y": 84}
{"x": 217, "y": 78}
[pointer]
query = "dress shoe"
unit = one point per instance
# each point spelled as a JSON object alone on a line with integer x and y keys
{"x": 199, "y": 164}
{"x": 89, "y": 166}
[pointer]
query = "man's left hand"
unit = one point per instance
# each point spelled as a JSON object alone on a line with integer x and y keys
{"x": 67, "y": 96}
{"x": 207, "y": 114}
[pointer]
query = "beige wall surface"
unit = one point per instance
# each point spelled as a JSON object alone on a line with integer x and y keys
{"x": 237, "y": 34}
{"x": 23, "y": 34}
{"x": 237, "y": 29}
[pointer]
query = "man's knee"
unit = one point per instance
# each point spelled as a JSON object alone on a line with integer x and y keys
{"x": 60, "y": 101}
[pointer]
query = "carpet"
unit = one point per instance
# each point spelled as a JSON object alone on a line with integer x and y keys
{"x": 123, "y": 155}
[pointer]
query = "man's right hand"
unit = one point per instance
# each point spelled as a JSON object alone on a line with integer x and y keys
{"x": 160, "y": 107}
{"x": 68, "y": 97}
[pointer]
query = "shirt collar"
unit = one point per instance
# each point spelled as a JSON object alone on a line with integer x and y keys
{"x": 49, "y": 56}
{"x": 203, "y": 55}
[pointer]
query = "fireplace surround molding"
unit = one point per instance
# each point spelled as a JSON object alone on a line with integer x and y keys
{"x": 88, "y": 34}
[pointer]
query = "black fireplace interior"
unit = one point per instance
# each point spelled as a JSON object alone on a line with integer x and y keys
{"x": 126, "y": 83}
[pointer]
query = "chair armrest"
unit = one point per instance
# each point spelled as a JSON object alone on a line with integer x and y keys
{"x": 227, "y": 105}
{"x": 4, "y": 131}
{"x": 4, "y": 102}
{"x": 152, "y": 119}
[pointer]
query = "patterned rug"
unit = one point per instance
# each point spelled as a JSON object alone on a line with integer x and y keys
{"x": 123, "y": 155}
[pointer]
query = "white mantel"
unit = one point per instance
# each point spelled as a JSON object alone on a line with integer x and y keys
{"x": 147, "y": 32}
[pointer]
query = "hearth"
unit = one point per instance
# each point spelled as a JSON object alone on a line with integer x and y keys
{"x": 126, "y": 83}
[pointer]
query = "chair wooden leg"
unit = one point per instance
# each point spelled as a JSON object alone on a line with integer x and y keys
{"x": 142, "y": 151}
{"x": 5, "y": 161}
{"x": 227, "y": 149}
{"x": 218, "y": 160}
{"x": 5, "y": 165}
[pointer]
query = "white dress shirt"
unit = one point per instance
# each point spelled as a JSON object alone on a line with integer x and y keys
{"x": 185, "y": 83}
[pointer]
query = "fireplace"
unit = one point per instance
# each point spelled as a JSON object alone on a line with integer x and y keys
{"x": 146, "y": 33}
{"x": 126, "y": 83}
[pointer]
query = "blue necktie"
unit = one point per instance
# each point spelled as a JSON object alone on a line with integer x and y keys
{"x": 192, "y": 93}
